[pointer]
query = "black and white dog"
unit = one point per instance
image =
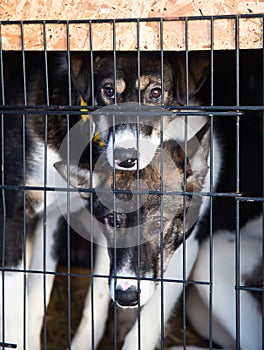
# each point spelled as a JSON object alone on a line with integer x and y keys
{"x": 132, "y": 147}
{"x": 31, "y": 144}
{"x": 133, "y": 233}
{"x": 149, "y": 203}
{"x": 135, "y": 228}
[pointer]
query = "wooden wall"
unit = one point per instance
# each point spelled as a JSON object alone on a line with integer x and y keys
{"x": 173, "y": 28}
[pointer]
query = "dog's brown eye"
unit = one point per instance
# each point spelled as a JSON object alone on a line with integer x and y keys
{"x": 155, "y": 93}
{"x": 157, "y": 224}
{"x": 109, "y": 91}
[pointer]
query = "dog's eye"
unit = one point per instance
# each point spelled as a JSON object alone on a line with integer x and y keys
{"x": 157, "y": 224}
{"x": 112, "y": 221}
{"x": 155, "y": 93}
{"x": 109, "y": 91}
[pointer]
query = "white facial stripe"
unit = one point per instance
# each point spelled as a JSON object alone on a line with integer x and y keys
{"x": 127, "y": 139}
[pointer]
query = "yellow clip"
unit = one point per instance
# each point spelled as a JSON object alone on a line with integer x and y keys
{"x": 85, "y": 117}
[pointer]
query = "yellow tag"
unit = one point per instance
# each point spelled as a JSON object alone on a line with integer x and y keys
{"x": 85, "y": 117}
{"x": 97, "y": 138}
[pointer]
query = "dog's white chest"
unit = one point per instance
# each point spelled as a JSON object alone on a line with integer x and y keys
{"x": 42, "y": 174}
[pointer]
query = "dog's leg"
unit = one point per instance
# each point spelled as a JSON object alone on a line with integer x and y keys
{"x": 44, "y": 259}
{"x": 95, "y": 311}
{"x": 172, "y": 291}
{"x": 13, "y": 294}
{"x": 12, "y": 311}
{"x": 224, "y": 297}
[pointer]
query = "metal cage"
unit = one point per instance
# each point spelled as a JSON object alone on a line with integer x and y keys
{"x": 233, "y": 95}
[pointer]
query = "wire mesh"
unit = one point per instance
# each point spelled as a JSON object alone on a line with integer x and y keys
{"x": 30, "y": 91}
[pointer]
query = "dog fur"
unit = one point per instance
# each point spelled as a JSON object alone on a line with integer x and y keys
{"x": 30, "y": 148}
{"x": 224, "y": 332}
{"x": 141, "y": 258}
{"x": 142, "y": 263}
{"x": 146, "y": 85}
{"x": 28, "y": 162}
{"x": 124, "y": 89}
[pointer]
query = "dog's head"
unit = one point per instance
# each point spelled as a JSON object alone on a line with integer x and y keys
{"x": 137, "y": 210}
{"x": 131, "y": 130}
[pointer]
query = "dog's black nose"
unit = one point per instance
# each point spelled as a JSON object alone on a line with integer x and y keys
{"x": 126, "y": 298}
{"x": 125, "y": 157}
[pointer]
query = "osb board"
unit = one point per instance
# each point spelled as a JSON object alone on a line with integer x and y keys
{"x": 54, "y": 37}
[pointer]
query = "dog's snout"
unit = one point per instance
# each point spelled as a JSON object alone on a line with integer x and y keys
{"x": 125, "y": 157}
{"x": 127, "y": 298}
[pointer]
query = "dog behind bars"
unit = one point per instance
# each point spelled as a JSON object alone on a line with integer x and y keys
{"x": 32, "y": 143}
{"x": 146, "y": 234}
{"x": 133, "y": 142}
{"x": 150, "y": 220}
{"x": 150, "y": 235}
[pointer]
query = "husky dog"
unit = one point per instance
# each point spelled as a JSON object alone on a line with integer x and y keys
{"x": 149, "y": 205}
{"x": 146, "y": 83}
{"x": 136, "y": 226}
{"x": 31, "y": 144}
{"x": 132, "y": 134}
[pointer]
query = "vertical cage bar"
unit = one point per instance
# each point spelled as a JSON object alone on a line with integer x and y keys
{"x": 115, "y": 100}
{"x": 185, "y": 184}
{"x": 138, "y": 62}
{"x": 68, "y": 47}
{"x": 115, "y": 230}
{"x": 91, "y": 194}
{"x": 114, "y": 191}
{"x": 138, "y": 236}
{"x": 91, "y": 64}
{"x": 162, "y": 319}
{"x": 211, "y": 189}
{"x": 2, "y": 316}
{"x": 262, "y": 97}
{"x": 237, "y": 252}
{"x": 114, "y": 59}
{"x": 114, "y": 204}
{"x": 24, "y": 172}
{"x": 138, "y": 231}
{"x": 161, "y": 61}
{"x": 45, "y": 177}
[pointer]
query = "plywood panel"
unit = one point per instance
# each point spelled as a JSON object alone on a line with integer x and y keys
{"x": 174, "y": 29}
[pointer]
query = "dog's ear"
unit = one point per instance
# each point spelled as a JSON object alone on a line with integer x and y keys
{"x": 79, "y": 176}
{"x": 80, "y": 73}
{"x": 200, "y": 140}
{"x": 197, "y": 147}
{"x": 198, "y": 69}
